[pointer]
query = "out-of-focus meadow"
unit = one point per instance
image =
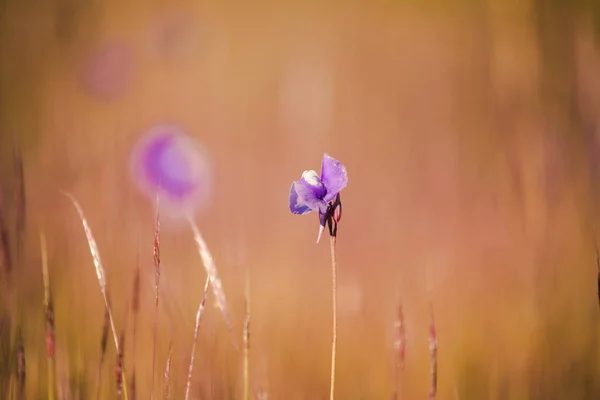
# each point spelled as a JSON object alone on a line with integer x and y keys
{"x": 471, "y": 135}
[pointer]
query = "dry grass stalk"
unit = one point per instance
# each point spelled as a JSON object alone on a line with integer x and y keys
{"x": 49, "y": 310}
{"x": 20, "y": 190}
{"x": 213, "y": 276}
{"x": 21, "y": 368}
{"x": 19, "y": 200}
{"x": 120, "y": 374}
{"x": 247, "y": 357}
{"x": 167, "y": 375}
{"x": 133, "y": 389}
{"x": 99, "y": 272}
{"x": 196, "y": 329}
{"x": 400, "y": 342}
{"x": 135, "y": 298}
{"x": 433, "y": 359}
{"x": 5, "y": 256}
{"x": 135, "y": 305}
{"x": 262, "y": 395}
{"x": 246, "y": 340}
{"x": 156, "y": 283}
{"x": 103, "y": 343}
{"x": 7, "y": 262}
{"x": 45, "y": 274}
{"x": 597, "y": 258}
{"x": 6, "y": 355}
{"x": 399, "y": 347}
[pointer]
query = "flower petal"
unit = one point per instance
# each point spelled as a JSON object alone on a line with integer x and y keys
{"x": 333, "y": 176}
{"x": 312, "y": 179}
{"x": 297, "y": 206}
{"x": 310, "y": 191}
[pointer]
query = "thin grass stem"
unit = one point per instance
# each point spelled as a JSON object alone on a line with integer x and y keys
{"x": 196, "y": 329}
{"x": 213, "y": 276}
{"x": 246, "y": 340}
{"x": 167, "y": 375}
{"x": 156, "y": 283}
{"x": 433, "y": 357}
{"x": 49, "y": 309}
{"x": 100, "y": 275}
{"x": 334, "y": 309}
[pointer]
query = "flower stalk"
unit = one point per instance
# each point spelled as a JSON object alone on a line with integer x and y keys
{"x": 333, "y": 215}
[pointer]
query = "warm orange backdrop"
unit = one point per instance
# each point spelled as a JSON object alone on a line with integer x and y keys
{"x": 465, "y": 129}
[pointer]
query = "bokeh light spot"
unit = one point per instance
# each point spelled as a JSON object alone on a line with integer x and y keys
{"x": 169, "y": 163}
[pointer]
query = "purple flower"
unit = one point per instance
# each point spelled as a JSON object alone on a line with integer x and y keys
{"x": 169, "y": 163}
{"x": 320, "y": 193}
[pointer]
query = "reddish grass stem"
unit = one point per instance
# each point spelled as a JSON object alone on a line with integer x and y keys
{"x": 120, "y": 374}
{"x": 167, "y": 375}
{"x": 399, "y": 348}
{"x": 246, "y": 341}
{"x": 433, "y": 350}
{"x": 135, "y": 308}
{"x": 21, "y": 367}
{"x": 5, "y": 255}
{"x": 196, "y": 328}
{"x": 19, "y": 202}
{"x": 400, "y": 343}
{"x": 156, "y": 283}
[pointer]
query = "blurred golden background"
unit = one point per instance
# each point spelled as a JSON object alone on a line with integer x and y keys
{"x": 470, "y": 132}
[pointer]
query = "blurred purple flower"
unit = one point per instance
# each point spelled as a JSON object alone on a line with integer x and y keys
{"x": 169, "y": 163}
{"x": 320, "y": 193}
